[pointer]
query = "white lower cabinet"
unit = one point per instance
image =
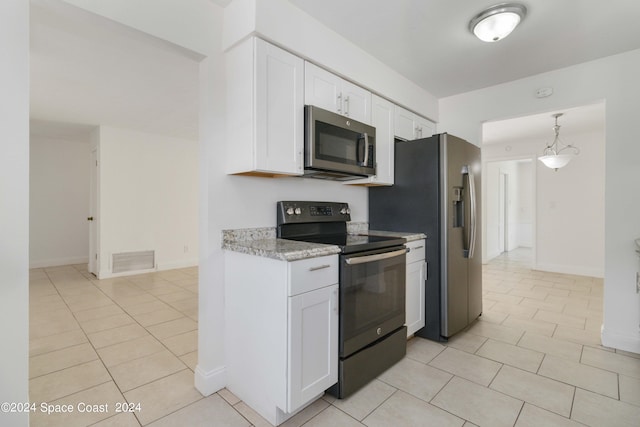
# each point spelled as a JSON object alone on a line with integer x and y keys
{"x": 281, "y": 331}
{"x": 416, "y": 276}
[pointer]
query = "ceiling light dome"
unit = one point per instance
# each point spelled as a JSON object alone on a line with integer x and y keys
{"x": 497, "y": 22}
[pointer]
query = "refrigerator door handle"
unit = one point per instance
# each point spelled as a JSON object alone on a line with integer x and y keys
{"x": 473, "y": 219}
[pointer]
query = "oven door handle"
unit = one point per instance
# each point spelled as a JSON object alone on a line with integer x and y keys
{"x": 377, "y": 257}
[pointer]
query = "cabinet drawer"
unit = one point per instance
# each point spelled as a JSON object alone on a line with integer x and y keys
{"x": 416, "y": 251}
{"x": 313, "y": 273}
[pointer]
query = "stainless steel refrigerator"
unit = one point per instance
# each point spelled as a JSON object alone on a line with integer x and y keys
{"x": 437, "y": 192}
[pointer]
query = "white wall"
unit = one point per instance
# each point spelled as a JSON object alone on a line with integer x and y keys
{"x": 14, "y": 207}
{"x": 525, "y": 204}
{"x": 58, "y": 201}
{"x": 614, "y": 80}
{"x": 148, "y": 197}
{"x": 569, "y": 216}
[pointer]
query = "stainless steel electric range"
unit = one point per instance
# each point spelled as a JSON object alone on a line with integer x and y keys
{"x": 372, "y": 289}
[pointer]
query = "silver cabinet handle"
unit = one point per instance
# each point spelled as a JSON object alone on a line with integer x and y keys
{"x": 414, "y": 249}
{"x": 340, "y": 103}
{"x": 346, "y": 106}
{"x": 376, "y": 257}
{"x": 320, "y": 267}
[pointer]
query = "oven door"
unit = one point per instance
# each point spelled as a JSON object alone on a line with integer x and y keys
{"x": 372, "y": 296}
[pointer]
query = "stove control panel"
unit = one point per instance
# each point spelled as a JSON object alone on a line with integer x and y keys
{"x": 292, "y": 212}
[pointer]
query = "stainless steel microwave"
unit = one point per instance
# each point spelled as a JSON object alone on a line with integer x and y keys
{"x": 337, "y": 147}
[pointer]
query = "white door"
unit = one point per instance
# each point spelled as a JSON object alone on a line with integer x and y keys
{"x": 93, "y": 209}
{"x": 322, "y": 89}
{"x": 313, "y": 344}
{"x": 356, "y": 102}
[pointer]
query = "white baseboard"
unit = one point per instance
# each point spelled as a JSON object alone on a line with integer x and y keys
{"x": 622, "y": 341}
{"x": 208, "y": 383}
{"x": 55, "y": 262}
{"x": 570, "y": 269}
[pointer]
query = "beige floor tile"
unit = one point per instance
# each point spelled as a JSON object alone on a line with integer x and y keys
{"x": 579, "y": 375}
{"x": 628, "y": 353}
{"x": 629, "y": 389}
{"x": 212, "y": 410}
{"x": 89, "y": 406}
{"x": 123, "y": 419}
{"x": 315, "y": 408}
{"x": 543, "y": 305}
{"x": 181, "y": 294}
{"x": 596, "y": 410}
{"x": 229, "y": 397}
{"x": 465, "y": 365}
{"x": 578, "y": 336}
{"x": 58, "y": 384}
{"x": 528, "y": 325}
{"x": 497, "y": 332}
{"x": 145, "y": 307}
{"x": 365, "y": 400}
{"x": 614, "y": 362}
{"x": 55, "y": 327}
{"x": 98, "y": 313}
{"x": 158, "y": 316}
{"x": 332, "y": 416}
{"x": 173, "y": 327}
{"x": 423, "y": 350}
{"x": 185, "y": 304}
{"x": 402, "y": 409}
{"x": 190, "y": 359}
{"x": 164, "y": 396}
{"x": 254, "y": 418}
{"x": 509, "y": 354}
{"x": 133, "y": 304}
{"x": 117, "y": 335}
{"x": 56, "y": 342}
{"x": 489, "y": 315}
{"x": 183, "y": 343}
{"x": 478, "y": 404}
{"x": 552, "y": 346}
{"x": 540, "y": 293}
{"x": 466, "y": 342}
{"x": 510, "y": 299}
{"x": 104, "y": 323}
{"x": 90, "y": 301}
{"x": 560, "y": 319}
{"x": 60, "y": 359}
{"x": 137, "y": 372}
{"x": 532, "y": 416}
{"x": 543, "y": 392}
{"x": 422, "y": 381}
{"x": 129, "y": 350}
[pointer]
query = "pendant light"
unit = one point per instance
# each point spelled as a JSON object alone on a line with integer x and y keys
{"x": 553, "y": 156}
{"x": 497, "y": 22}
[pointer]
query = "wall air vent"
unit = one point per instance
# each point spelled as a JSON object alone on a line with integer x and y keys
{"x": 133, "y": 261}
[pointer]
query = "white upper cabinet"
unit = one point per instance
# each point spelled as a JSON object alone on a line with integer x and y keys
{"x": 410, "y": 126}
{"x": 265, "y": 101}
{"x": 382, "y": 112}
{"x": 330, "y": 92}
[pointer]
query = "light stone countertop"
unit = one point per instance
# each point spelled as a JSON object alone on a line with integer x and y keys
{"x": 263, "y": 242}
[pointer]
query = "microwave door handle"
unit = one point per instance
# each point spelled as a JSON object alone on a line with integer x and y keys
{"x": 365, "y": 162}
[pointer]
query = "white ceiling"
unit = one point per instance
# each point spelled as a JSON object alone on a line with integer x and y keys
{"x": 89, "y": 70}
{"x": 428, "y": 41}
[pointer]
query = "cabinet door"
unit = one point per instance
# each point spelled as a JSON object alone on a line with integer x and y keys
{"x": 356, "y": 102}
{"x": 382, "y": 119}
{"x": 313, "y": 345}
{"x": 322, "y": 89}
{"x": 415, "y": 296}
{"x": 404, "y": 126}
{"x": 424, "y": 128}
{"x": 279, "y": 110}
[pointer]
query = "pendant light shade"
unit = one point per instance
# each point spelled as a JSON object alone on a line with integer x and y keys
{"x": 497, "y": 22}
{"x": 553, "y": 156}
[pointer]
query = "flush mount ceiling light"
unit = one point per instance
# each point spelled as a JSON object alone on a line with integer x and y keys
{"x": 497, "y": 22}
{"x": 552, "y": 156}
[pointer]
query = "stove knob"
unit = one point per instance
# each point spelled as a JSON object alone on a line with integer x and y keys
{"x": 289, "y": 211}
{"x": 343, "y": 211}
{"x": 348, "y": 211}
{"x": 298, "y": 211}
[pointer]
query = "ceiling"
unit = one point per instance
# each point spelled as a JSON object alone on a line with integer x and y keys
{"x": 428, "y": 41}
{"x": 88, "y": 70}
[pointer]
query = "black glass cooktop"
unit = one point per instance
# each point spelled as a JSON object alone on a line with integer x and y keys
{"x": 350, "y": 243}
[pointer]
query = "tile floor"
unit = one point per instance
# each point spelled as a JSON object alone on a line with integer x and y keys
{"x": 533, "y": 359}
